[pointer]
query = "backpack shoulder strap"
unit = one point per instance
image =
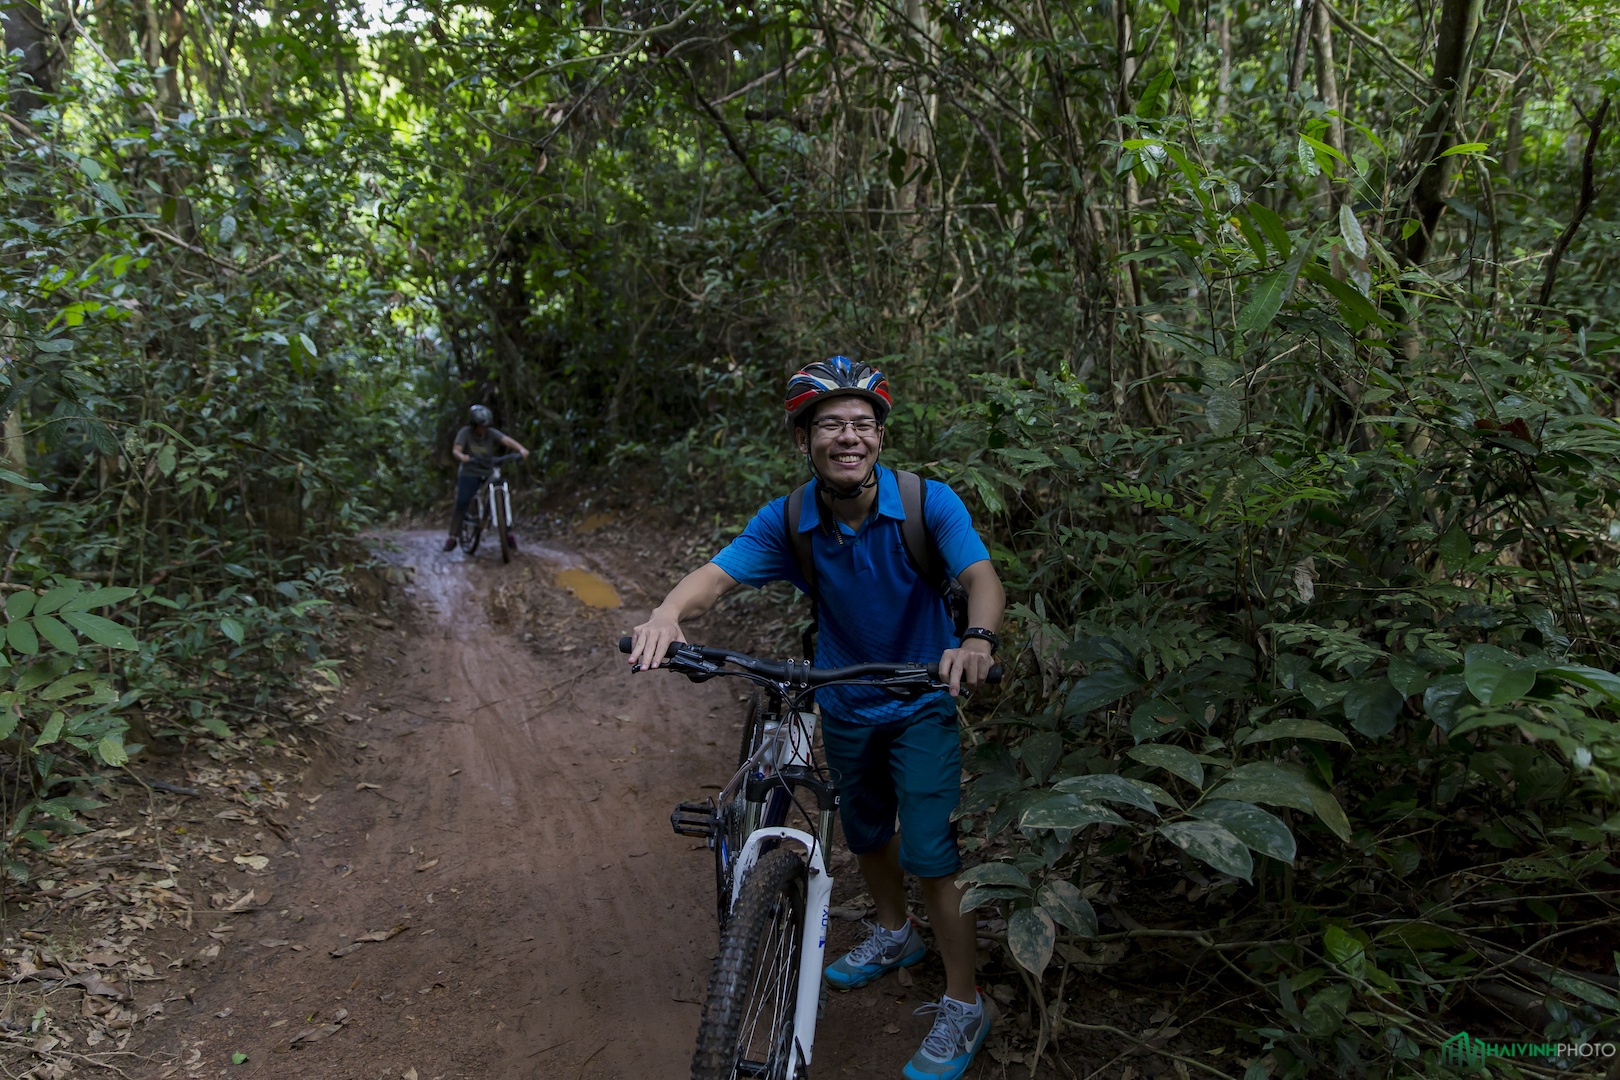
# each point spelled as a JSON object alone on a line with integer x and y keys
{"x": 914, "y": 532}
{"x": 798, "y": 541}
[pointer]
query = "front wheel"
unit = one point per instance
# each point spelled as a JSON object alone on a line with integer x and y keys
{"x": 472, "y": 525}
{"x": 497, "y": 505}
{"x": 748, "y": 1018}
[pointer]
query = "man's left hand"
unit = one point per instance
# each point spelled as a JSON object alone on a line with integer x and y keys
{"x": 966, "y": 666}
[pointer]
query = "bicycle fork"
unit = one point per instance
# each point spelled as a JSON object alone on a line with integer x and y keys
{"x": 813, "y": 942}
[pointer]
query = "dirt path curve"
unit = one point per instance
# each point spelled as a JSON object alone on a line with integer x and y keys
{"x": 510, "y": 811}
{"x": 497, "y": 814}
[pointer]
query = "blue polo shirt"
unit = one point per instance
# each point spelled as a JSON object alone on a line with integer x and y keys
{"x": 875, "y": 607}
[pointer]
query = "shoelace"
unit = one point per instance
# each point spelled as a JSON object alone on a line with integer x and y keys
{"x": 948, "y": 1037}
{"x": 876, "y": 944}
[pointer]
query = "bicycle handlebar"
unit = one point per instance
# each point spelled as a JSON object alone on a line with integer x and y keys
{"x": 485, "y": 461}
{"x": 702, "y": 661}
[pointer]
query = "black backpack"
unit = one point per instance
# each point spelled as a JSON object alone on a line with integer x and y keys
{"x": 921, "y": 552}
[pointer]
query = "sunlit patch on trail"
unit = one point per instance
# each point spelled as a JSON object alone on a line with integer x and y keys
{"x": 594, "y": 521}
{"x": 590, "y": 589}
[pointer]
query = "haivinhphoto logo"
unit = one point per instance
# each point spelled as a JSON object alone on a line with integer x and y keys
{"x": 1464, "y": 1050}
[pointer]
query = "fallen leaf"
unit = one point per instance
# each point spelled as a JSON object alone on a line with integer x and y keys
{"x": 430, "y": 864}
{"x": 905, "y": 978}
{"x": 253, "y": 862}
{"x": 408, "y": 1074}
{"x": 363, "y": 786}
{"x": 275, "y": 943}
{"x": 382, "y": 935}
{"x": 892, "y": 1029}
{"x": 345, "y": 950}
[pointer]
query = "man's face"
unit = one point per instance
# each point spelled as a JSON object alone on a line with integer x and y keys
{"x": 480, "y": 430}
{"x": 843, "y": 440}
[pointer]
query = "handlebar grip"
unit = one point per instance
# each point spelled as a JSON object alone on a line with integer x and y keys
{"x": 627, "y": 643}
{"x": 992, "y": 676}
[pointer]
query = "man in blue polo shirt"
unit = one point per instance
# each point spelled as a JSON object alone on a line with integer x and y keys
{"x": 896, "y": 760}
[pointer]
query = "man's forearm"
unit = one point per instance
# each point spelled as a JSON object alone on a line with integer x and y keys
{"x": 987, "y": 600}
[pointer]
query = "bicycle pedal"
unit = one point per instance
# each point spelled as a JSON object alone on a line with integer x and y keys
{"x": 693, "y": 819}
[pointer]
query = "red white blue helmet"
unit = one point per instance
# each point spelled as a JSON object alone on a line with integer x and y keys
{"x": 836, "y": 377}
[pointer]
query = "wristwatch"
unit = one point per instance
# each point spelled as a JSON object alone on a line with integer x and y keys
{"x": 983, "y": 634}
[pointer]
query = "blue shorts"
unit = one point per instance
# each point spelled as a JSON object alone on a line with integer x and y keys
{"x": 909, "y": 768}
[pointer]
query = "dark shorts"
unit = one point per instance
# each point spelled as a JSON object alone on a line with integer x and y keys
{"x": 910, "y": 770}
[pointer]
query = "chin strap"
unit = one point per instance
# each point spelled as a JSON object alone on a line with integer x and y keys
{"x": 825, "y": 487}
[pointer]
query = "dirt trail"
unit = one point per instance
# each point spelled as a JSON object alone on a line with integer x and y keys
{"x": 504, "y": 806}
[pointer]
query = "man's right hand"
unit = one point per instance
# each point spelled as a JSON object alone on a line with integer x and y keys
{"x": 652, "y": 639}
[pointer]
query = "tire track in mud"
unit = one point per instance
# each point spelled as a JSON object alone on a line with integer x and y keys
{"x": 511, "y": 810}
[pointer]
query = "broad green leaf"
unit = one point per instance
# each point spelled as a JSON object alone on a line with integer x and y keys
{"x": 216, "y": 727}
{"x": 22, "y": 637}
{"x": 99, "y": 630}
{"x": 1283, "y": 784}
{"x": 56, "y": 597}
{"x": 1062, "y": 902}
{"x": 1273, "y": 227}
{"x": 19, "y": 480}
{"x": 1271, "y": 294}
{"x": 99, "y": 598}
{"x": 19, "y": 604}
{"x": 166, "y": 459}
{"x": 1456, "y": 547}
{"x": 1110, "y": 787}
{"x": 994, "y": 873}
{"x": 1495, "y": 683}
{"x": 1588, "y": 992}
{"x": 1407, "y": 675}
{"x": 1030, "y": 937}
{"x": 1214, "y": 844}
{"x": 1041, "y": 752}
{"x": 52, "y": 730}
{"x": 1066, "y": 812}
{"x": 227, "y": 228}
{"x": 72, "y": 683}
{"x": 1467, "y": 148}
{"x": 1172, "y": 759}
{"x": 8, "y": 721}
{"x": 976, "y": 896}
{"x": 1605, "y": 682}
{"x": 1372, "y": 706}
{"x": 1355, "y": 241}
{"x": 1294, "y": 727}
{"x": 1260, "y": 829}
{"x": 1441, "y": 699}
{"x": 1102, "y": 688}
{"x": 111, "y": 751}
{"x": 232, "y": 629}
{"x": 51, "y": 629}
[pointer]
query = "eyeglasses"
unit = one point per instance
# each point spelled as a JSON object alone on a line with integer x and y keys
{"x": 863, "y": 426}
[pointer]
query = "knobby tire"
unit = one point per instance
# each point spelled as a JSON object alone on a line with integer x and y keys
{"x": 748, "y": 1014}
{"x": 497, "y": 506}
{"x": 472, "y": 526}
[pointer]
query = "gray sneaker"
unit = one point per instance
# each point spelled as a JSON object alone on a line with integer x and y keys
{"x": 883, "y": 951}
{"x": 959, "y": 1031}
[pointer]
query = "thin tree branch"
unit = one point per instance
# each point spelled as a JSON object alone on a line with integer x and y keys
{"x": 1588, "y": 193}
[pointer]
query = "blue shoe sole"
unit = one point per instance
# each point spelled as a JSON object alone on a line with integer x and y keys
{"x": 956, "y": 1072}
{"x": 838, "y": 982}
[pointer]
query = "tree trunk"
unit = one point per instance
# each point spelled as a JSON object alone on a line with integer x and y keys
{"x": 28, "y": 31}
{"x": 1454, "y": 47}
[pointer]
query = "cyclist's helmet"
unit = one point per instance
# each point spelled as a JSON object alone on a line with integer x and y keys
{"x": 835, "y": 377}
{"x": 479, "y": 415}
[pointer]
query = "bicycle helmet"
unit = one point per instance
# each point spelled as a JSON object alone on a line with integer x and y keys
{"x": 835, "y": 377}
{"x": 479, "y": 415}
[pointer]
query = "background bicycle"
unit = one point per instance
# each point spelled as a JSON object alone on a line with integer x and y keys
{"x": 491, "y": 510}
{"x": 773, "y": 889}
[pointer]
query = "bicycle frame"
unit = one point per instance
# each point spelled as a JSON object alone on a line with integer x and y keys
{"x": 493, "y": 488}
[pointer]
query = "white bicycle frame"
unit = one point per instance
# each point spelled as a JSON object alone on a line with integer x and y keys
{"x": 486, "y": 495}
{"x": 788, "y": 746}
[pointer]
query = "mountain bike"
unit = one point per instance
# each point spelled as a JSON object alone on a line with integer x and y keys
{"x": 491, "y": 509}
{"x": 772, "y": 888}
